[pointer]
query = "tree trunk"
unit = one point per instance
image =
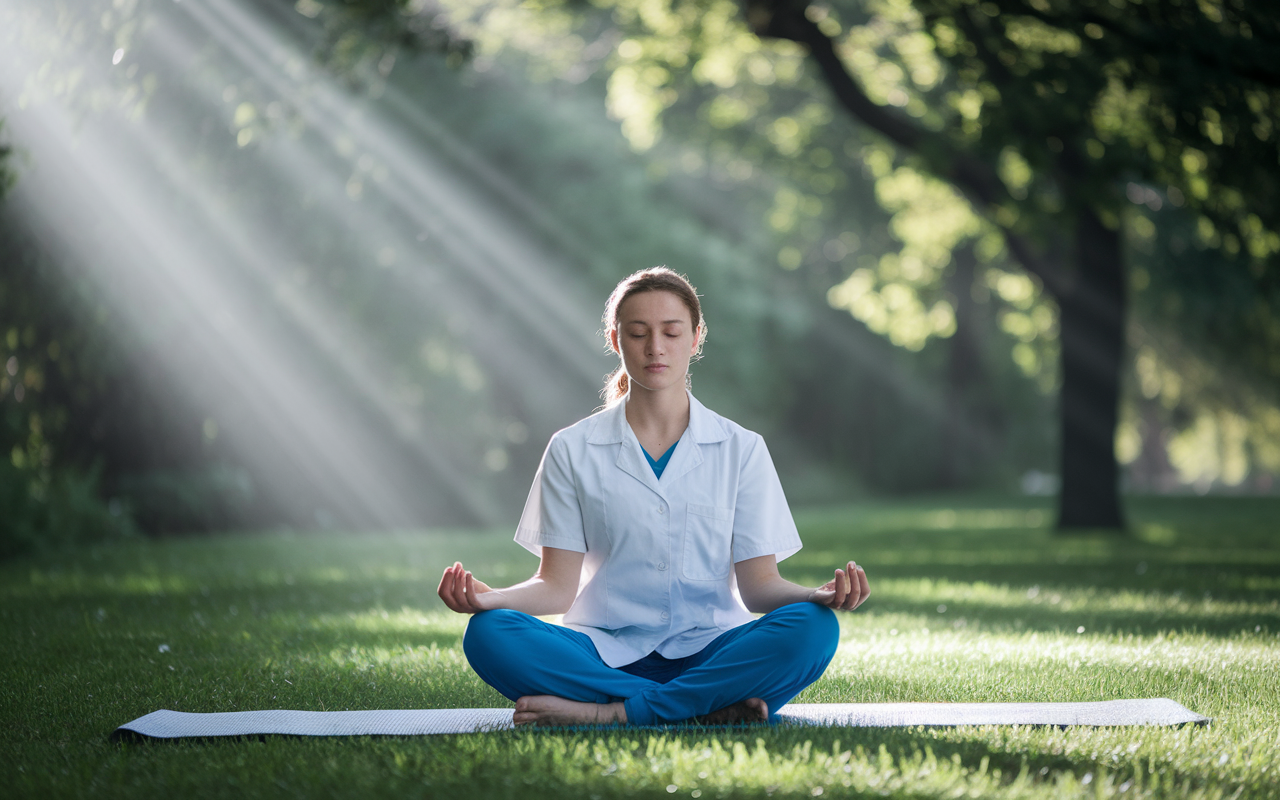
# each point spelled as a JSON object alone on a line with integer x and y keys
{"x": 1091, "y": 319}
{"x": 1091, "y": 299}
{"x": 964, "y": 433}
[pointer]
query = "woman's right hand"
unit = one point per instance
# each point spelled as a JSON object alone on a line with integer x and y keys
{"x": 461, "y": 592}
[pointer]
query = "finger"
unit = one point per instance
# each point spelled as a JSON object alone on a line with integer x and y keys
{"x": 842, "y": 589}
{"x": 471, "y": 593}
{"x": 460, "y": 588}
{"x": 866, "y": 588}
{"x": 823, "y": 596}
{"x": 468, "y": 592}
{"x": 855, "y": 588}
{"x": 446, "y": 591}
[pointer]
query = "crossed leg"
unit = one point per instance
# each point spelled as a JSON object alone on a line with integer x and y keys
{"x": 556, "y": 677}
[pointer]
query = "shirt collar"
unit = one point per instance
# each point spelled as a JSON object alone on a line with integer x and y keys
{"x": 704, "y": 426}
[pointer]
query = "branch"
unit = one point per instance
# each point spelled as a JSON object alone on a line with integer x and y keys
{"x": 978, "y": 181}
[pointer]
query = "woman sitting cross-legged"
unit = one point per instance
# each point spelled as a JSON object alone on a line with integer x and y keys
{"x": 659, "y": 524}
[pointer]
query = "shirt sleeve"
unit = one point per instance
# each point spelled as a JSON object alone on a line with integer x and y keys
{"x": 762, "y": 522}
{"x": 552, "y": 516}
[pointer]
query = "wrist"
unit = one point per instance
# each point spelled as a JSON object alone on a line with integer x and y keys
{"x": 488, "y": 601}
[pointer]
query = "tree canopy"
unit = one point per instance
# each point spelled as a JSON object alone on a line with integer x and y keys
{"x": 915, "y": 223}
{"x": 1068, "y": 128}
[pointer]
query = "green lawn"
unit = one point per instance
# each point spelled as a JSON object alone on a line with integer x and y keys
{"x": 972, "y": 600}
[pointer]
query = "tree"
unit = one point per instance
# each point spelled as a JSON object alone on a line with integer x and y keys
{"x": 1058, "y": 121}
{"x": 1086, "y": 94}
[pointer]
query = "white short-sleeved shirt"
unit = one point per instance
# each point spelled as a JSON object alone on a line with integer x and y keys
{"x": 659, "y": 553}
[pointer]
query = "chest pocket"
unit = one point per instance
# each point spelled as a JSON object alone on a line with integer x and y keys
{"x": 708, "y": 543}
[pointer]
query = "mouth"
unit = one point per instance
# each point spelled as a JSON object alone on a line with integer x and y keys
{"x": 655, "y": 368}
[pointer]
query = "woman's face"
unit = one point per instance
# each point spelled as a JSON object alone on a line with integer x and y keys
{"x": 656, "y": 337}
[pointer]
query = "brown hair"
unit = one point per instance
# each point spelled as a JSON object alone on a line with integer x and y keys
{"x": 654, "y": 279}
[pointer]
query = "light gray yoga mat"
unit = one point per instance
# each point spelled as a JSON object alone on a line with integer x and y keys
{"x": 165, "y": 724}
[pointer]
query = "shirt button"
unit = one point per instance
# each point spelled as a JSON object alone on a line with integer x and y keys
{"x": 665, "y": 615}
{"x": 662, "y": 509}
{"x": 662, "y": 565}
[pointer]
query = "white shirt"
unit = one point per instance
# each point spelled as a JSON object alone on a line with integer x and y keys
{"x": 659, "y": 554}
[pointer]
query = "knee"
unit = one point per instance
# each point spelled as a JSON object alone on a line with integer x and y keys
{"x": 486, "y": 630}
{"x": 816, "y": 625}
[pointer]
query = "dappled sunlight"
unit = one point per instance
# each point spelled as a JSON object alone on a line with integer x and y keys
{"x": 59, "y": 583}
{"x": 1136, "y": 607}
{"x": 392, "y": 660}
{"x": 971, "y": 654}
{"x": 406, "y": 621}
{"x": 871, "y": 517}
{"x": 286, "y": 565}
{"x": 334, "y": 622}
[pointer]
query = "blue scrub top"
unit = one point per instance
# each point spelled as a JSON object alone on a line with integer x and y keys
{"x": 661, "y": 463}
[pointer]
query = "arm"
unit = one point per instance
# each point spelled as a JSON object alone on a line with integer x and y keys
{"x": 551, "y": 590}
{"x": 763, "y": 589}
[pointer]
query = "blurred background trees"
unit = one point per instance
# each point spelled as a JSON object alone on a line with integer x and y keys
{"x": 1066, "y": 102}
{"x": 340, "y": 263}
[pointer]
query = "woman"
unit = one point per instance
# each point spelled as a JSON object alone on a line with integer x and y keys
{"x": 659, "y": 524}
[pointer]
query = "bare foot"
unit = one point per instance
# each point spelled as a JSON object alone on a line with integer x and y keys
{"x": 549, "y": 710}
{"x": 753, "y": 709}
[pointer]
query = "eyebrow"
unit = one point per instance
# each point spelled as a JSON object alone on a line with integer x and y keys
{"x": 664, "y": 322}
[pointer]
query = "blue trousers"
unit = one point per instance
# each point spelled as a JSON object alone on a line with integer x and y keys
{"x": 773, "y": 658}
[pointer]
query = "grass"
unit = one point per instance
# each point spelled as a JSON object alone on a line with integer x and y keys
{"x": 973, "y": 600}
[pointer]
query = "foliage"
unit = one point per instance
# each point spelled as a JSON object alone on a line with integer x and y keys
{"x": 53, "y": 370}
{"x": 6, "y": 153}
{"x": 54, "y": 510}
{"x": 1058, "y": 106}
{"x": 734, "y": 164}
{"x": 765, "y": 204}
{"x": 339, "y": 249}
{"x": 972, "y": 600}
{"x": 1162, "y": 116}
{"x": 366, "y": 36}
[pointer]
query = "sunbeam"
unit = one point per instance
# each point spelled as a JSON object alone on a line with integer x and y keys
{"x": 209, "y": 276}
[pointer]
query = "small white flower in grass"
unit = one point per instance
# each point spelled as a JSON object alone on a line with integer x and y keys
{"x": 672, "y": 788}
{"x": 696, "y": 793}
{"x": 164, "y": 648}
{"x": 1087, "y": 779}
{"x": 1032, "y": 592}
{"x": 1080, "y": 629}
{"x": 817, "y": 790}
{"x": 942, "y": 608}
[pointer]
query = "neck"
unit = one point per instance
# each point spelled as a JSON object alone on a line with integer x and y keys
{"x": 658, "y": 417}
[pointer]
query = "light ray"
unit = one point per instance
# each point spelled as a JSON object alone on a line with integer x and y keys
{"x": 195, "y": 268}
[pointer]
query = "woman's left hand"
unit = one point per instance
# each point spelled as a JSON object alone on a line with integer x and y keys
{"x": 846, "y": 591}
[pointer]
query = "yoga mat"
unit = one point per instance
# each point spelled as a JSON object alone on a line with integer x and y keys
{"x": 165, "y": 724}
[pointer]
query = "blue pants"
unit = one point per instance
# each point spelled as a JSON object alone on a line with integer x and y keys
{"x": 773, "y": 658}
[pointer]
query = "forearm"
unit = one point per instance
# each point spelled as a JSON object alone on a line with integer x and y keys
{"x": 535, "y": 597}
{"x": 764, "y": 596}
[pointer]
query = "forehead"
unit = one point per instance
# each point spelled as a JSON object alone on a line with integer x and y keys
{"x": 653, "y": 307}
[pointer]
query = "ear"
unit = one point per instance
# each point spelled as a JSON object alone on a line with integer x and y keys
{"x": 697, "y": 338}
{"x": 613, "y": 341}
